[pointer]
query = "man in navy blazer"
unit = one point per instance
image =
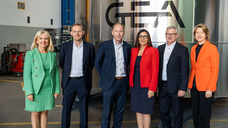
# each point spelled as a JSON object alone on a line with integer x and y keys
{"x": 77, "y": 61}
{"x": 173, "y": 78}
{"x": 112, "y": 60}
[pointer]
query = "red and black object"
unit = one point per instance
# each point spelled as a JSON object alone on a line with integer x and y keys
{"x": 17, "y": 62}
{"x": 12, "y": 61}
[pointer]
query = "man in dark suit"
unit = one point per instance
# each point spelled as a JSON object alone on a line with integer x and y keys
{"x": 77, "y": 61}
{"x": 173, "y": 78}
{"x": 112, "y": 60}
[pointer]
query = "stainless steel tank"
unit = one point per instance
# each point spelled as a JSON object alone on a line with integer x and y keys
{"x": 155, "y": 16}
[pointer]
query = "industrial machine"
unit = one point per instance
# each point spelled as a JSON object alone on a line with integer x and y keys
{"x": 13, "y": 59}
{"x": 17, "y": 62}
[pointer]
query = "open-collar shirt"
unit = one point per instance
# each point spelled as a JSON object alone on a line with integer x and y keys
{"x": 120, "y": 70}
{"x": 167, "y": 53}
{"x": 77, "y": 61}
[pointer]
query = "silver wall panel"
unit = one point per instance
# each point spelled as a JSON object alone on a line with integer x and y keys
{"x": 152, "y": 15}
{"x": 207, "y": 12}
{"x": 155, "y": 16}
{"x": 222, "y": 88}
{"x": 222, "y": 33}
{"x": 80, "y": 12}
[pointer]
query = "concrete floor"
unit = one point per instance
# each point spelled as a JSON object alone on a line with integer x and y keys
{"x": 12, "y": 114}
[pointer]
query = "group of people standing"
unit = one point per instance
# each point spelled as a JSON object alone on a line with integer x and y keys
{"x": 166, "y": 67}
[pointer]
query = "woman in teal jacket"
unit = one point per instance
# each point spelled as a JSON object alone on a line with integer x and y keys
{"x": 41, "y": 79}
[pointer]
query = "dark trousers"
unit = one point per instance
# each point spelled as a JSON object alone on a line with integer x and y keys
{"x": 75, "y": 87}
{"x": 167, "y": 101}
{"x": 201, "y": 108}
{"x": 115, "y": 95}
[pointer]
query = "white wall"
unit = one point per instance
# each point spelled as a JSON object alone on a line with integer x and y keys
{"x": 40, "y": 11}
{"x": 13, "y": 22}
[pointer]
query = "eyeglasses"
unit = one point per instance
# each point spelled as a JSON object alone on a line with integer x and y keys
{"x": 143, "y": 37}
{"x": 170, "y": 34}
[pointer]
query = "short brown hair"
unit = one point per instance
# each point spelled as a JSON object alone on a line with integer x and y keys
{"x": 205, "y": 30}
{"x": 117, "y": 23}
{"x": 137, "y": 44}
{"x": 77, "y": 24}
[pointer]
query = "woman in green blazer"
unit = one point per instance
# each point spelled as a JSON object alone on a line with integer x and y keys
{"x": 41, "y": 79}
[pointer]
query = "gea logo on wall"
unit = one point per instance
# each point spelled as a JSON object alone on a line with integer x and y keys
{"x": 132, "y": 15}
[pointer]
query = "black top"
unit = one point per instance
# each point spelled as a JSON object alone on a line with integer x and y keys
{"x": 198, "y": 50}
{"x": 137, "y": 71}
{"x": 197, "y": 53}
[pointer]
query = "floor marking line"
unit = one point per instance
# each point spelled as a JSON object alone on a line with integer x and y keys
{"x": 15, "y": 123}
{"x": 12, "y": 81}
{"x": 219, "y": 120}
{"x": 22, "y": 83}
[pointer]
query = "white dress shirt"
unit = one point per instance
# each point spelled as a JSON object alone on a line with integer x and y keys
{"x": 120, "y": 71}
{"x": 167, "y": 53}
{"x": 77, "y": 61}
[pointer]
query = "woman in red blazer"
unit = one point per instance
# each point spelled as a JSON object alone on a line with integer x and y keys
{"x": 143, "y": 78}
{"x": 203, "y": 77}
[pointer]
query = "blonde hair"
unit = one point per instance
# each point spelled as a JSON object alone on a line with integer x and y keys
{"x": 50, "y": 46}
{"x": 205, "y": 30}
